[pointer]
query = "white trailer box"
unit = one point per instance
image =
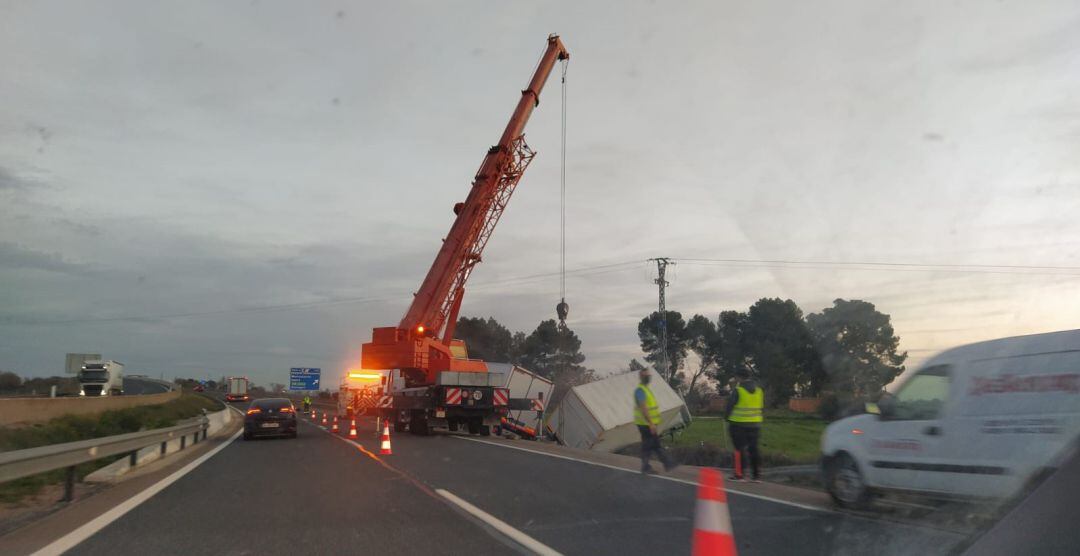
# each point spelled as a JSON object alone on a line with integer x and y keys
{"x": 523, "y": 384}
{"x": 73, "y": 362}
{"x": 600, "y": 415}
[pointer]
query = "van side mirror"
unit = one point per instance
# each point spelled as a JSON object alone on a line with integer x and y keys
{"x": 873, "y": 409}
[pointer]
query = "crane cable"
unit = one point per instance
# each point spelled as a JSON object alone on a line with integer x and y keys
{"x": 562, "y": 309}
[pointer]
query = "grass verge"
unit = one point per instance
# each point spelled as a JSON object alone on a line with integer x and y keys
{"x": 72, "y": 428}
{"x": 787, "y": 438}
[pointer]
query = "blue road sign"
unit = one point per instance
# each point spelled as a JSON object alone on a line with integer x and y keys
{"x": 301, "y": 378}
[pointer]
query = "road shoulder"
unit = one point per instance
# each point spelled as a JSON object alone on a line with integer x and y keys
{"x": 39, "y": 533}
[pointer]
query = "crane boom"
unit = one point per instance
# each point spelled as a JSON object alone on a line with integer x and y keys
{"x": 415, "y": 343}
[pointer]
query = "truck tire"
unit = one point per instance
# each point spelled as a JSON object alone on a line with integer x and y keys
{"x": 846, "y": 484}
{"x": 485, "y": 430}
{"x": 399, "y": 426}
{"x": 474, "y": 426}
{"x": 418, "y": 425}
{"x": 453, "y": 426}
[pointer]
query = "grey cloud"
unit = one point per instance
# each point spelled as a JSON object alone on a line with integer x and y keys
{"x": 9, "y": 181}
{"x": 1062, "y": 41}
{"x": 14, "y": 256}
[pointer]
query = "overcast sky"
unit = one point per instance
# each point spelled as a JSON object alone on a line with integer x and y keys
{"x": 214, "y": 158}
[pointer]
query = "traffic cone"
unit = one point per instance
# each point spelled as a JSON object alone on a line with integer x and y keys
{"x": 324, "y": 419}
{"x": 312, "y": 414}
{"x": 384, "y": 450}
{"x": 352, "y": 429}
{"x": 713, "y": 535}
{"x": 335, "y": 427}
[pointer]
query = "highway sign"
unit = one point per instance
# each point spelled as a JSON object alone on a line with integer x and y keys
{"x": 302, "y": 378}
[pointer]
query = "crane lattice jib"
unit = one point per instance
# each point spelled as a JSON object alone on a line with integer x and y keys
{"x": 477, "y": 216}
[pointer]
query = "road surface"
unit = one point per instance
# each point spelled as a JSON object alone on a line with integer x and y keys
{"x": 323, "y": 495}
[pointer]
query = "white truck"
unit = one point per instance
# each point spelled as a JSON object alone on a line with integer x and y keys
{"x": 101, "y": 378}
{"x": 237, "y": 389}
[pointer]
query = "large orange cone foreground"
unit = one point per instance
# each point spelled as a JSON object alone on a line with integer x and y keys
{"x": 713, "y": 535}
{"x": 352, "y": 429}
{"x": 385, "y": 448}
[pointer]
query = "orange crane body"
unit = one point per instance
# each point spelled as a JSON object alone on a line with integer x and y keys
{"x": 422, "y": 344}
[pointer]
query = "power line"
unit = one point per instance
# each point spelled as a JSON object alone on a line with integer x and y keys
{"x": 517, "y": 280}
{"x": 883, "y": 264}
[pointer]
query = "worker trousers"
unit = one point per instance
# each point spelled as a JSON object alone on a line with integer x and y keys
{"x": 651, "y": 443}
{"x": 745, "y": 439}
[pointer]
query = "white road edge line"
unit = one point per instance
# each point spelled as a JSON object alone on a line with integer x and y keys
{"x": 499, "y": 525}
{"x": 88, "y": 529}
{"x": 675, "y": 479}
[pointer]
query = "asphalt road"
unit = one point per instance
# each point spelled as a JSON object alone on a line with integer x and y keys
{"x": 319, "y": 494}
{"x": 134, "y": 386}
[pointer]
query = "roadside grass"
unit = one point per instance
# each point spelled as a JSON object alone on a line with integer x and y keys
{"x": 787, "y": 438}
{"x": 72, "y": 428}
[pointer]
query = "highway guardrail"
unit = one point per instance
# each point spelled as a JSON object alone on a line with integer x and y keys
{"x": 31, "y": 461}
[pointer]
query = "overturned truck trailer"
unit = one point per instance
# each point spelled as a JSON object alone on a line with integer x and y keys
{"x": 529, "y": 395}
{"x": 600, "y": 415}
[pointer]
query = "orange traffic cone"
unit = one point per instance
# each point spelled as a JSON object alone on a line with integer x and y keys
{"x": 352, "y": 429}
{"x": 713, "y": 535}
{"x": 312, "y": 414}
{"x": 335, "y": 427}
{"x": 385, "y": 448}
{"x": 324, "y": 419}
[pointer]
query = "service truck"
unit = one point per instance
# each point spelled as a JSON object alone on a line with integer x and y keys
{"x": 101, "y": 378}
{"x": 361, "y": 393}
{"x": 432, "y": 380}
{"x": 237, "y": 389}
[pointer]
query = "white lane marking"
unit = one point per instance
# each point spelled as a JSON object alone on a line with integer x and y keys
{"x": 88, "y": 529}
{"x": 499, "y": 525}
{"x": 665, "y": 477}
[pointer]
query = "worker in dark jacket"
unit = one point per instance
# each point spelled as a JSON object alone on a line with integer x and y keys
{"x": 744, "y": 415}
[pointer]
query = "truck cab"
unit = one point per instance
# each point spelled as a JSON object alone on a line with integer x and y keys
{"x": 101, "y": 378}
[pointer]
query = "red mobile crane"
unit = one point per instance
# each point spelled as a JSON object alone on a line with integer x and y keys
{"x": 433, "y": 382}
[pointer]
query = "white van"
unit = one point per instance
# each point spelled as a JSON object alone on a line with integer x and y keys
{"x": 980, "y": 421}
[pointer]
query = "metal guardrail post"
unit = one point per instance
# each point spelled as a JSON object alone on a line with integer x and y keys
{"x": 69, "y": 485}
{"x": 183, "y": 441}
{"x": 164, "y": 446}
{"x": 134, "y": 458}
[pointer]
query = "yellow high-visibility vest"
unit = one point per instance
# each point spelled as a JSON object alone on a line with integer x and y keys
{"x": 650, "y": 404}
{"x": 748, "y": 408}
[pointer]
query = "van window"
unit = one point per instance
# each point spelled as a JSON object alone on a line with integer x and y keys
{"x": 923, "y": 396}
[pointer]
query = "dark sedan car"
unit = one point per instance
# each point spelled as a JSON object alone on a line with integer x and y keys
{"x": 270, "y": 417}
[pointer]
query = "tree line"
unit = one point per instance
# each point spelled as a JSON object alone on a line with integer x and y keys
{"x": 551, "y": 350}
{"x": 847, "y": 351}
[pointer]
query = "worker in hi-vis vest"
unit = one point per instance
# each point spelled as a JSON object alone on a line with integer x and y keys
{"x": 647, "y": 419}
{"x": 744, "y": 415}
